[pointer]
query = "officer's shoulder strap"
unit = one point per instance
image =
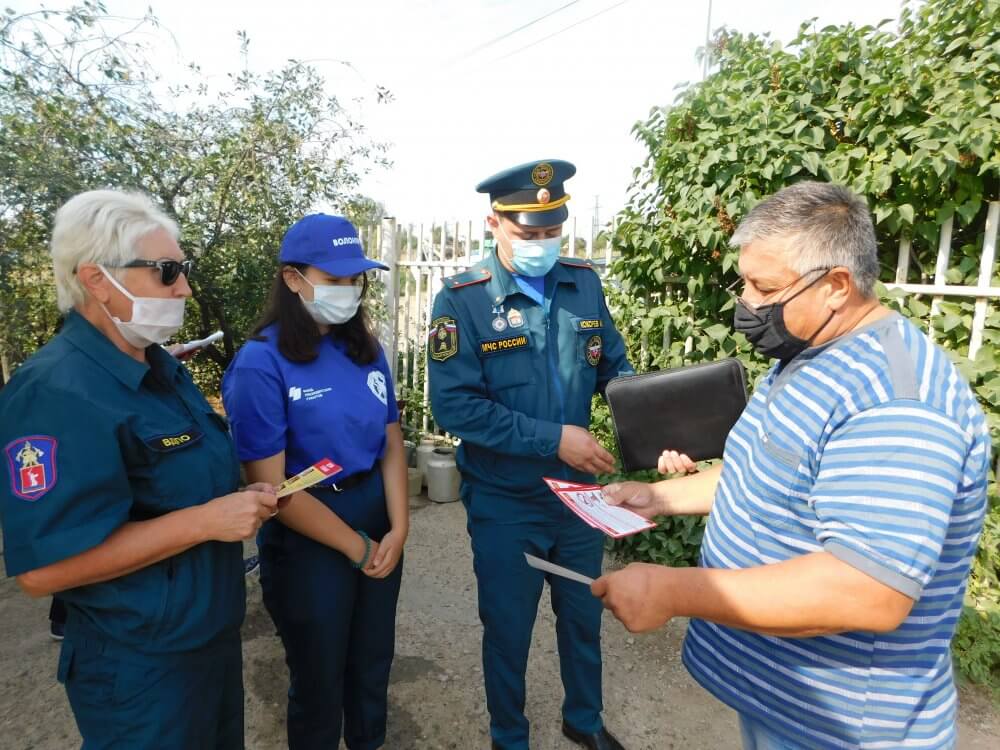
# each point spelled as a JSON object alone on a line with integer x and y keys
{"x": 468, "y": 278}
{"x": 577, "y": 263}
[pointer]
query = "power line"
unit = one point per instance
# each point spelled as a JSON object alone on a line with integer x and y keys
{"x": 561, "y": 31}
{"x": 500, "y": 38}
{"x": 595, "y": 226}
{"x": 708, "y": 35}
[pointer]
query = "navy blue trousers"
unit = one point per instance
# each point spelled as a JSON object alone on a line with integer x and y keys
{"x": 123, "y": 701}
{"x": 502, "y": 530}
{"x": 338, "y": 625}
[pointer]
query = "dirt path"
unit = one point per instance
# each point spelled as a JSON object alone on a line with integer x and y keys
{"x": 437, "y": 698}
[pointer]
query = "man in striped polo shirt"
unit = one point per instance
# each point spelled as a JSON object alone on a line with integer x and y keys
{"x": 844, "y": 516}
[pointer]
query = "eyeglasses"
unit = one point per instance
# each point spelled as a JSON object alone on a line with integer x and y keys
{"x": 731, "y": 290}
{"x": 169, "y": 269}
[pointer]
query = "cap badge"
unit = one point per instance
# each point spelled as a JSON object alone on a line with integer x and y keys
{"x": 541, "y": 175}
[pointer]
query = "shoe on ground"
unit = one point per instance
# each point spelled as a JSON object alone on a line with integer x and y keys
{"x": 601, "y": 740}
{"x": 57, "y": 630}
{"x": 251, "y": 564}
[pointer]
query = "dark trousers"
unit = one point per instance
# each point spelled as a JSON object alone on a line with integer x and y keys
{"x": 337, "y": 625}
{"x": 502, "y": 530}
{"x": 57, "y": 612}
{"x": 190, "y": 702}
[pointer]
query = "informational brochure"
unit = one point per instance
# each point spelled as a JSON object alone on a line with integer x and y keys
{"x": 190, "y": 346}
{"x": 308, "y": 477}
{"x": 559, "y": 570}
{"x": 587, "y": 501}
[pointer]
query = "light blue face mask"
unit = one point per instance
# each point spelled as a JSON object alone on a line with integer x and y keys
{"x": 533, "y": 257}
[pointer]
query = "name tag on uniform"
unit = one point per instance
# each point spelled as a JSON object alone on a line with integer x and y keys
{"x": 591, "y": 324}
{"x": 500, "y": 346}
{"x": 173, "y": 441}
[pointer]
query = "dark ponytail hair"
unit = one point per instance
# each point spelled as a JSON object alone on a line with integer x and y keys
{"x": 298, "y": 333}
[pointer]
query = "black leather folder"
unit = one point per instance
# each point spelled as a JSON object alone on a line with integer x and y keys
{"x": 687, "y": 409}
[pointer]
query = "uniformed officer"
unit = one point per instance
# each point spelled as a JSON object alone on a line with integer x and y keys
{"x": 313, "y": 383}
{"x": 121, "y": 492}
{"x": 518, "y": 345}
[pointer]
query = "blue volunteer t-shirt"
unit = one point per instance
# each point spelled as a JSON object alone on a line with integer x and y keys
{"x": 328, "y": 408}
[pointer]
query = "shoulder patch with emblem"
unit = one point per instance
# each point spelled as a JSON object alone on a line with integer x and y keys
{"x": 442, "y": 340}
{"x": 31, "y": 461}
{"x": 468, "y": 278}
{"x": 595, "y": 347}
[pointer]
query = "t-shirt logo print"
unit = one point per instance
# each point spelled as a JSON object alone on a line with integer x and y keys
{"x": 376, "y": 384}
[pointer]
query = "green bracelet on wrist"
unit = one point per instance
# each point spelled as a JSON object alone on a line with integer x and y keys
{"x": 368, "y": 551}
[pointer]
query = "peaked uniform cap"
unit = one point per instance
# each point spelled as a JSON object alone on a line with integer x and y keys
{"x": 532, "y": 194}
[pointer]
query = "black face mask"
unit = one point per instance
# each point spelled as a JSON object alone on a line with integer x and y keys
{"x": 765, "y": 327}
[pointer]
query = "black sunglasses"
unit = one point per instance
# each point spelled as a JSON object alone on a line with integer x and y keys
{"x": 169, "y": 269}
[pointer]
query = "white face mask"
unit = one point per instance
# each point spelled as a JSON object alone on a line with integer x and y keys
{"x": 154, "y": 319}
{"x": 533, "y": 257}
{"x": 332, "y": 304}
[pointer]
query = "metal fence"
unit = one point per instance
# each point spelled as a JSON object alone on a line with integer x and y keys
{"x": 420, "y": 255}
{"x": 983, "y": 292}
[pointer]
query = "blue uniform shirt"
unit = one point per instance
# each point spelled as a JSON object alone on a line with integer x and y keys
{"x": 327, "y": 408}
{"x": 93, "y": 439}
{"x": 506, "y": 373}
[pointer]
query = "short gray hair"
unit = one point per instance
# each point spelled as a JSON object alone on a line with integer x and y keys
{"x": 832, "y": 227}
{"x": 100, "y": 226}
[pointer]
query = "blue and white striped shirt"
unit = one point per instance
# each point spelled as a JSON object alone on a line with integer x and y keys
{"x": 873, "y": 449}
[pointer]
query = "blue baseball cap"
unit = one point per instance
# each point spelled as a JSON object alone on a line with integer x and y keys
{"x": 331, "y": 243}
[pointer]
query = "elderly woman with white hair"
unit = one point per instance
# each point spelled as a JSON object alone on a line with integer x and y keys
{"x": 122, "y": 491}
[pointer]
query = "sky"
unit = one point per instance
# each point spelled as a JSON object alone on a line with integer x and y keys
{"x": 468, "y": 103}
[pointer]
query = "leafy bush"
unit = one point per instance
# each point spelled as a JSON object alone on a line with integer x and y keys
{"x": 977, "y": 640}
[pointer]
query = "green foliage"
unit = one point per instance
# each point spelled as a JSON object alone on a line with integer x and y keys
{"x": 80, "y": 108}
{"x": 977, "y": 639}
{"x": 910, "y": 120}
{"x": 674, "y": 542}
{"x": 977, "y": 647}
{"x": 912, "y": 127}
{"x": 364, "y": 212}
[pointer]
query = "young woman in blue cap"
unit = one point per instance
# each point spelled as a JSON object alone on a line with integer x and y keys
{"x": 313, "y": 383}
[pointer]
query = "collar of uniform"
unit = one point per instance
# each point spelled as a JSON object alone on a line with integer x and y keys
{"x": 84, "y": 336}
{"x": 162, "y": 363}
{"x": 502, "y": 284}
{"x": 560, "y": 275}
